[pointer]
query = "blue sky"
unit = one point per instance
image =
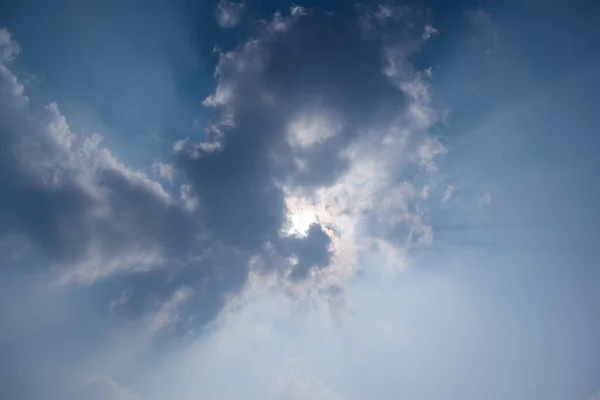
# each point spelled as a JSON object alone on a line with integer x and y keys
{"x": 307, "y": 200}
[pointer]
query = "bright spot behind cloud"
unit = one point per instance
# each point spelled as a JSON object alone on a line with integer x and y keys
{"x": 310, "y": 131}
{"x": 296, "y": 236}
{"x": 299, "y": 222}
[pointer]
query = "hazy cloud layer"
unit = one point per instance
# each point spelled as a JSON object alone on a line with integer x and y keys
{"x": 266, "y": 253}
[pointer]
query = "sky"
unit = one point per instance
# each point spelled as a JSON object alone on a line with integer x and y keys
{"x": 266, "y": 199}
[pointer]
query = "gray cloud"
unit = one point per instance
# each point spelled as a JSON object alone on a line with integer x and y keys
{"x": 297, "y": 154}
{"x": 299, "y": 67}
{"x": 267, "y": 267}
{"x": 80, "y": 206}
{"x": 291, "y": 124}
{"x": 70, "y": 207}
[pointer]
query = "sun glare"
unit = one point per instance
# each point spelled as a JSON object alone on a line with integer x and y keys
{"x": 300, "y": 221}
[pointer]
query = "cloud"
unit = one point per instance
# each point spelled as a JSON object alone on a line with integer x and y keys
{"x": 71, "y": 209}
{"x": 429, "y": 32}
{"x": 296, "y": 137}
{"x": 487, "y": 36}
{"x": 392, "y": 338}
{"x": 163, "y": 170}
{"x": 229, "y": 13}
{"x": 74, "y": 201}
{"x": 9, "y": 48}
{"x": 297, "y": 385}
{"x": 168, "y": 312}
{"x": 266, "y": 257}
{"x": 305, "y": 175}
{"x": 450, "y": 189}
{"x": 106, "y": 388}
{"x": 485, "y": 199}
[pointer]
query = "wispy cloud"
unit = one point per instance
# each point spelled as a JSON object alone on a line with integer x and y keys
{"x": 229, "y": 13}
{"x": 482, "y": 19}
{"x": 168, "y": 312}
{"x": 485, "y": 199}
{"x": 448, "y": 193}
{"x": 163, "y": 170}
{"x": 111, "y": 389}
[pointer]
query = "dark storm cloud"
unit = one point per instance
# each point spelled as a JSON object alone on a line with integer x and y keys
{"x": 307, "y": 65}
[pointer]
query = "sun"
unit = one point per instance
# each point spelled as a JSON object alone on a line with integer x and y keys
{"x": 299, "y": 222}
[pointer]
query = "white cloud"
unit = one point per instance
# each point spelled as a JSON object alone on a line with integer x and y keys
{"x": 308, "y": 131}
{"x": 221, "y": 96}
{"x": 169, "y": 312}
{"x": 299, "y": 222}
{"x": 229, "y": 13}
{"x": 101, "y": 213}
{"x": 448, "y": 193}
{"x": 9, "y": 48}
{"x": 58, "y": 128}
{"x": 485, "y": 199}
{"x": 187, "y": 197}
{"x": 178, "y": 145}
{"x": 163, "y": 170}
{"x": 96, "y": 265}
{"x": 120, "y": 301}
{"x": 296, "y": 11}
{"x": 429, "y": 150}
{"x": 114, "y": 390}
{"x": 429, "y": 32}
